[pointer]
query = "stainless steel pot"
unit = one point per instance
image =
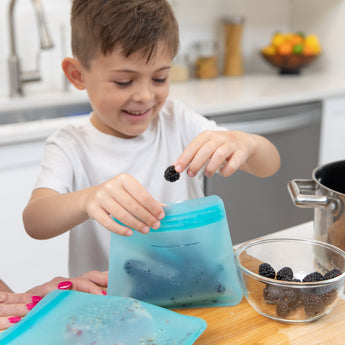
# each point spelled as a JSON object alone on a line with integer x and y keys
{"x": 326, "y": 193}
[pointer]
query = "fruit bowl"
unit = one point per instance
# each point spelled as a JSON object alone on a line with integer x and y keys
{"x": 291, "y": 51}
{"x": 290, "y": 63}
{"x": 291, "y": 280}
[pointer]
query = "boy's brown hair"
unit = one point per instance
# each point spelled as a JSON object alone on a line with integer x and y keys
{"x": 98, "y": 26}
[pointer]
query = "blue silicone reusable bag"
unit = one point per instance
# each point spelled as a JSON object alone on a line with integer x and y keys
{"x": 77, "y": 318}
{"x": 187, "y": 262}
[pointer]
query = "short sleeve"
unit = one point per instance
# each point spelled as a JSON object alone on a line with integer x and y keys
{"x": 56, "y": 170}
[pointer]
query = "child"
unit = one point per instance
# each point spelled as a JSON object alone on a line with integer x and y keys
{"x": 13, "y": 306}
{"x": 114, "y": 162}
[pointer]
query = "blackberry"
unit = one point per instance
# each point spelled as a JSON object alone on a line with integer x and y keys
{"x": 329, "y": 297}
{"x": 290, "y": 296}
{"x": 313, "y": 305}
{"x": 285, "y": 273}
{"x": 282, "y": 309}
{"x": 271, "y": 293}
{"x": 266, "y": 270}
{"x": 313, "y": 277}
{"x": 332, "y": 274}
{"x": 171, "y": 174}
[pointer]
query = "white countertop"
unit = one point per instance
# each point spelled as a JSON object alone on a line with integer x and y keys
{"x": 304, "y": 231}
{"x": 228, "y": 95}
{"x": 209, "y": 97}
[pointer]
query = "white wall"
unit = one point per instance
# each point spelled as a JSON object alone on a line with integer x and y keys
{"x": 325, "y": 18}
{"x": 199, "y": 20}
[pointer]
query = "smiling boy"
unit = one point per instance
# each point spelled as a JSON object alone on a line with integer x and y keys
{"x": 113, "y": 163}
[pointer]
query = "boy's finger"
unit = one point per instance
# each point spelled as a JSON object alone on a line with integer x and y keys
{"x": 145, "y": 200}
{"x": 189, "y": 153}
{"x": 118, "y": 209}
{"x": 105, "y": 220}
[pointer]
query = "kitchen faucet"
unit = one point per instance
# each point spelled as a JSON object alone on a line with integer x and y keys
{"x": 16, "y": 76}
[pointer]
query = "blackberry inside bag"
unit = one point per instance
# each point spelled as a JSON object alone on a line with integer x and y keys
{"x": 187, "y": 262}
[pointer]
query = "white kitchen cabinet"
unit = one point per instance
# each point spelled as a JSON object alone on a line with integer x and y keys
{"x": 332, "y": 145}
{"x": 25, "y": 262}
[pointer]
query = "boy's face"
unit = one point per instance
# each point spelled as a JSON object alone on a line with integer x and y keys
{"x": 126, "y": 94}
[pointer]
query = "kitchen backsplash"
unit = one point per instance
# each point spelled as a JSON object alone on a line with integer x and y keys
{"x": 199, "y": 20}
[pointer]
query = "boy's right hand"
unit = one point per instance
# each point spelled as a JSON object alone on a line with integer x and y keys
{"x": 124, "y": 198}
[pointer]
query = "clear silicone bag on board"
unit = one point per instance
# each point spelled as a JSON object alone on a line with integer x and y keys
{"x": 187, "y": 262}
{"x": 77, "y": 318}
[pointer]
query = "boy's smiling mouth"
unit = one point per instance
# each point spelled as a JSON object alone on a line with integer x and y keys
{"x": 137, "y": 113}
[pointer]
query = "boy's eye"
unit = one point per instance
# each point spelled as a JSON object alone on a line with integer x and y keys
{"x": 160, "y": 80}
{"x": 123, "y": 83}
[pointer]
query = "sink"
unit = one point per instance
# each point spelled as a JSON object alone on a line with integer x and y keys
{"x": 43, "y": 112}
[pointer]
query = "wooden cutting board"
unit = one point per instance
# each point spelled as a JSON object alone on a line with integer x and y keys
{"x": 242, "y": 325}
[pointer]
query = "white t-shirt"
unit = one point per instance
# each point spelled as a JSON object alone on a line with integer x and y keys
{"x": 80, "y": 156}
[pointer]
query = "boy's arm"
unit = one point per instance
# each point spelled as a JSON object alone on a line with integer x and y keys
{"x": 49, "y": 214}
{"x": 264, "y": 161}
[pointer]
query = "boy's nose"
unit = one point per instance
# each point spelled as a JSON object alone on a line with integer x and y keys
{"x": 143, "y": 93}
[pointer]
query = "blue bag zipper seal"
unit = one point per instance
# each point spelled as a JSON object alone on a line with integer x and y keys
{"x": 190, "y": 214}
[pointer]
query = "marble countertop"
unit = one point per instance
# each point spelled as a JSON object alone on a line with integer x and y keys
{"x": 208, "y": 97}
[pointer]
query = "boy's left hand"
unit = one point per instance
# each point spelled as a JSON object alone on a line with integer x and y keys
{"x": 223, "y": 150}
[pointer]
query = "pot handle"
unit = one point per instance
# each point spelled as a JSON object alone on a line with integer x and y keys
{"x": 296, "y": 189}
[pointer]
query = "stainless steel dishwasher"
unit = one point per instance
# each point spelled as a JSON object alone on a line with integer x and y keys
{"x": 258, "y": 206}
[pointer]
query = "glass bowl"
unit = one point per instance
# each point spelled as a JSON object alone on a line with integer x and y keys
{"x": 291, "y": 301}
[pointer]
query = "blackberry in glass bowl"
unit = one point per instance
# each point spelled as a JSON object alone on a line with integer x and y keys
{"x": 291, "y": 280}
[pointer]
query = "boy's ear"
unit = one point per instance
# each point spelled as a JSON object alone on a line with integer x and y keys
{"x": 73, "y": 72}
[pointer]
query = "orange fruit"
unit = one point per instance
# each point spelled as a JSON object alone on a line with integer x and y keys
{"x": 296, "y": 39}
{"x": 285, "y": 48}
{"x": 309, "y": 50}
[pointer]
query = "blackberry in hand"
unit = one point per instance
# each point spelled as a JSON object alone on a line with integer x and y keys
{"x": 266, "y": 270}
{"x": 171, "y": 174}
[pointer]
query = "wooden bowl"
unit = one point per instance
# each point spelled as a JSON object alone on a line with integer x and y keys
{"x": 289, "y": 64}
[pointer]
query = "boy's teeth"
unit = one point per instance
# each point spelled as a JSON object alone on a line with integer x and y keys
{"x": 136, "y": 112}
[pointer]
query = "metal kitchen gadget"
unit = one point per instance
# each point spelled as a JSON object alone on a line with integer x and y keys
{"x": 72, "y": 317}
{"x": 188, "y": 262}
{"x": 17, "y": 77}
{"x": 325, "y": 192}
